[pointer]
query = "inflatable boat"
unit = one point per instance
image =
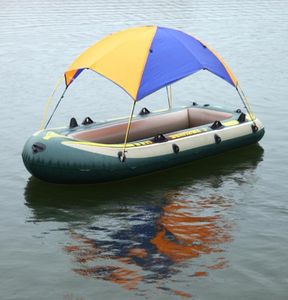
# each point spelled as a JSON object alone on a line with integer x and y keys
{"x": 146, "y": 141}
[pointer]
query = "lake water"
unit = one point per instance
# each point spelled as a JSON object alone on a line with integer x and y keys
{"x": 214, "y": 229}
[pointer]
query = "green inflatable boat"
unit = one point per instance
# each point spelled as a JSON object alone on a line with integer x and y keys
{"x": 141, "y": 60}
{"x": 92, "y": 152}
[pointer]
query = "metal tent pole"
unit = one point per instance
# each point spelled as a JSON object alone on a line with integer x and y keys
{"x": 122, "y": 155}
{"x": 62, "y": 96}
{"x": 169, "y": 95}
{"x": 245, "y": 102}
{"x": 49, "y": 101}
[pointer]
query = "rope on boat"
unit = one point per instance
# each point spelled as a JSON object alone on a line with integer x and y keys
{"x": 48, "y": 103}
{"x": 122, "y": 156}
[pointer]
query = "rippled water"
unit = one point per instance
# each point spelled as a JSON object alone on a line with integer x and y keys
{"x": 214, "y": 229}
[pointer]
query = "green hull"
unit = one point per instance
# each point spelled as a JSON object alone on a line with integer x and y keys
{"x": 61, "y": 164}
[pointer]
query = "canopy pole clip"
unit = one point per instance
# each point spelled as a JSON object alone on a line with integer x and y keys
{"x": 121, "y": 156}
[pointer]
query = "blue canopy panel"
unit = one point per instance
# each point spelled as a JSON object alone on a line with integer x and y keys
{"x": 174, "y": 55}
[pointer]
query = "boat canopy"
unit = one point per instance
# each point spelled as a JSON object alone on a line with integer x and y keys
{"x": 144, "y": 59}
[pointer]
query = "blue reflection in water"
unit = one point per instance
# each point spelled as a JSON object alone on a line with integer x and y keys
{"x": 149, "y": 229}
{"x": 152, "y": 245}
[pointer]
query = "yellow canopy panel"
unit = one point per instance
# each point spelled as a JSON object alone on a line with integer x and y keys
{"x": 121, "y": 57}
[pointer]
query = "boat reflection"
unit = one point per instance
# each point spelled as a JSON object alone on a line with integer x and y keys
{"x": 184, "y": 229}
{"x": 184, "y": 232}
{"x": 150, "y": 229}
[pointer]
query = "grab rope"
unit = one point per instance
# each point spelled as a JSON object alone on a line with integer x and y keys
{"x": 49, "y": 102}
{"x": 122, "y": 157}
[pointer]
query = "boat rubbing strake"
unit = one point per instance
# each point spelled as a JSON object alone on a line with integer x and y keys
{"x": 141, "y": 60}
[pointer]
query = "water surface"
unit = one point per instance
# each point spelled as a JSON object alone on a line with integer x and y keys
{"x": 214, "y": 229}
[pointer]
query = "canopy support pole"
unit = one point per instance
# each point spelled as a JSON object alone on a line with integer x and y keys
{"x": 62, "y": 96}
{"x": 122, "y": 155}
{"x": 169, "y": 95}
{"x": 48, "y": 103}
{"x": 245, "y": 102}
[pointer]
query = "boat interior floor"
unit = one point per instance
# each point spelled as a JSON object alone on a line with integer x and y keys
{"x": 150, "y": 126}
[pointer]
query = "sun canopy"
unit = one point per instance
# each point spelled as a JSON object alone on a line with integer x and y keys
{"x": 142, "y": 60}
